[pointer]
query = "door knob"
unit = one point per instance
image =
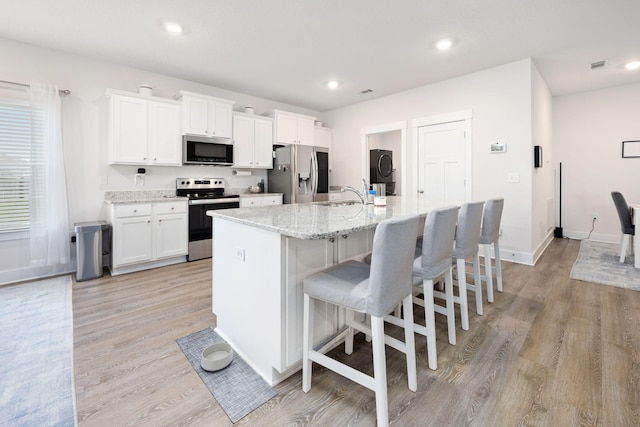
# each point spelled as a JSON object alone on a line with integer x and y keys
{"x": 421, "y": 191}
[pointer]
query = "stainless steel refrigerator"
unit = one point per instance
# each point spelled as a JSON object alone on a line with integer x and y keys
{"x": 300, "y": 173}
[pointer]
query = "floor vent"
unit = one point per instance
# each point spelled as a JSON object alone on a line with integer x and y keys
{"x": 597, "y": 65}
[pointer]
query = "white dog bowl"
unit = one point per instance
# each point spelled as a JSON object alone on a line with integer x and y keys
{"x": 216, "y": 357}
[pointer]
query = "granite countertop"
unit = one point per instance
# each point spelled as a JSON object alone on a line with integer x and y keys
{"x": 142, "y": 196}
{"x": 313, "y": 221}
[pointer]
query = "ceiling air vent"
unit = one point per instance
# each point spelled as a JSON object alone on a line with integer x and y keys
{"x": 598, "y": 65}
{"x": 364, "y": 92}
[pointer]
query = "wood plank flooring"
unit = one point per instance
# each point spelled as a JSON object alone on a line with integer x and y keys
{"x": 550, "y": 351}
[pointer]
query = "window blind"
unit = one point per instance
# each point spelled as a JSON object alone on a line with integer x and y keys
{"x": 15, "y": 163}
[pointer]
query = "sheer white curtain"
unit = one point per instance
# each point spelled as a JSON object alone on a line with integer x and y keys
{"x": 49, "y": 233}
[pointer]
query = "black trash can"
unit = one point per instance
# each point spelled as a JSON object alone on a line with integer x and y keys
{"x": 93, "y": 249}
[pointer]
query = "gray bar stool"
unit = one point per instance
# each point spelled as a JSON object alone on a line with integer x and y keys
{"x": 374, "y": 290}
{"x": 489, "y": 237}
{"x": 435, "y": 261}
{"x": 466, "y": 246}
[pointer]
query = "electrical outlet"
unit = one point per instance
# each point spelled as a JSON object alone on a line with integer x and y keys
{"x": 594, "y": 215}
{"x": 240, "y": 254}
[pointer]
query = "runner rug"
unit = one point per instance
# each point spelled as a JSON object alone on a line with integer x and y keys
{"x": 598, "y": 262}
{"x": 36, "y": 354}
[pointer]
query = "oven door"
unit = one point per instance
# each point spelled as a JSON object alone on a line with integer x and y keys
{"x": 200, "y": 225}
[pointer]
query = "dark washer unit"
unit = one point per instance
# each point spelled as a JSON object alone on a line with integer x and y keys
{"x": 381, "y": 169}
{"x": 205, "y": 194}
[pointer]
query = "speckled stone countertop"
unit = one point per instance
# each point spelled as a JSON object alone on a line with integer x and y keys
{"x": 141, "y": 196}
{"x": 313, "y": 221}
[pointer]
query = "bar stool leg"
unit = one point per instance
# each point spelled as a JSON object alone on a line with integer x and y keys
{"x": 430, "y": 323}
{"x": 477, "y": 283}
{"x": 450, "y": 309}
{"x": 348, "y": 340}
{"x": 380, "y": 370}
{"x": 307, "y": 342}
{"x": 496, "y": 250}
{"x": 488, "y": 271}
{"x": 410, "y": 343}
{"x": 462, "y": 294}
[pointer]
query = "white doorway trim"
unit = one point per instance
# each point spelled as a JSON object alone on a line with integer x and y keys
{"x": 456, "y": 116}
{"x": 387, "y": 127}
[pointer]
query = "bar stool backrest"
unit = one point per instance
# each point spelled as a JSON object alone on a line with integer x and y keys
{"x": 468, "y": 230}
{"x": 624, "y": 213}
{"x": 437, "y": 241}
{"x": 491, "y": 221}
{"x": 391, "y": 264}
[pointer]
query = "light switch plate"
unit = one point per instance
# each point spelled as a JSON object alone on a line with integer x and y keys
{"x": 513, "y": 177}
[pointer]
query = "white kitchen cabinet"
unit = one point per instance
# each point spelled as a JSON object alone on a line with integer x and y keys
{"x": 253, "y": 141}
{"x": 143, "y": 130}
{"x": 170, "y": 229}
{"x": 146, "y": 235}
{"x": 266, "y": 200}
{"x": 206, "y": 115}
{"x": 292, "y": 128}
{"x": 323, "y": 138}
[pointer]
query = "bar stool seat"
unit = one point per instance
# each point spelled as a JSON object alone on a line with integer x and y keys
{"x": 374, "y": 290}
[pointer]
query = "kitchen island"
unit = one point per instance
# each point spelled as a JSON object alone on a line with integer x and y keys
{"x": 262, "y": 254}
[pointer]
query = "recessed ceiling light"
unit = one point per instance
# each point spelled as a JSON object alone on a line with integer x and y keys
{"x": 173, "y": 28}
{"x": 444, "y": 44}
{"x": 633, "y": 65}
{"x": 333, "y": 85}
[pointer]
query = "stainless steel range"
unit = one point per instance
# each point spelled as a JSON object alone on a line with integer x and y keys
{"x": 205, "y": 194}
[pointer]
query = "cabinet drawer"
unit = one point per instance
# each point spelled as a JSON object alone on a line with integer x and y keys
{"x": 170, "y": 208}
{"x": 123, "y": 211}
{"x": 272, "y": 200}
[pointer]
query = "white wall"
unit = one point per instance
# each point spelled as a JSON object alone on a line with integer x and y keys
{"x": 501, "y": 100}
{"x": 588, "y": 132}
{"x": 84, "y": 132}
{"x": 542, "y": 192}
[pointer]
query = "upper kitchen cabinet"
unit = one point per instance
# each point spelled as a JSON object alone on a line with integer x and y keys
{"x": 143, "y": 130}
{"x": 323, "y": 138}
{"x": 205, "y": 115}
{"x": 292, "y": 128}
{"x": 253, "y": 141}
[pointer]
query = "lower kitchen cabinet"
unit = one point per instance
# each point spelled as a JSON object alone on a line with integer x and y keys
{"x": 147, "y": 235}
{"x": 265, "y": 200}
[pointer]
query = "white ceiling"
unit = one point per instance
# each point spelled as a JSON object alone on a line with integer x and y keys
{"x": 286, "y": 50}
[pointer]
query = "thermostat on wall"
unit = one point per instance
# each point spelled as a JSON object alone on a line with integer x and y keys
{"x": 498, "y": 147}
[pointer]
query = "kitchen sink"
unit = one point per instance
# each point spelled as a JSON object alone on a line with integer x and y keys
{"x": 341, "y": 203}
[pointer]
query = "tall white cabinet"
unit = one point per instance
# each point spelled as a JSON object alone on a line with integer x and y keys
{"x": 143, "y": 130}
{"x": 206, "y": 115}
{"x": 253, "y": 141}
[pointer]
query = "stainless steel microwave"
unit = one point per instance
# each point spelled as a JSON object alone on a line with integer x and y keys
{"x": 202, "y": 150}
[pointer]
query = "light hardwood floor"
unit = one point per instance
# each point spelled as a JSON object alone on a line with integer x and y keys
{"x": 549, "y": 352}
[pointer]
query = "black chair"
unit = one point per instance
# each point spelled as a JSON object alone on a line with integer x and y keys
{"x": 626, "y": 223}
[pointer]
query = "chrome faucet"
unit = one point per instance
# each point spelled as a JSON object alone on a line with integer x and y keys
{"x": 348, "y": 188}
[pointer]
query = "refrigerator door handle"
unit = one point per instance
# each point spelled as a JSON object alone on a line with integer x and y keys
{"x": 314, "y": 173}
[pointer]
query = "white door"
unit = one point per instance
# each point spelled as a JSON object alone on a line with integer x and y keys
{"x": 441, "y": 161}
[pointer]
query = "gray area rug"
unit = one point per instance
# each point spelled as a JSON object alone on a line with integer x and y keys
{"x": 36, "y": 354}
{"x": 237, "y": 388}
{"x": 598, "y": 262}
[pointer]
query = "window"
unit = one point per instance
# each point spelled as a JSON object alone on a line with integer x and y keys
{"x": 15, "y": 158}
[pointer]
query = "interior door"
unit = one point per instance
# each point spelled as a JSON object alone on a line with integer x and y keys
{"x": 441, "y": 161}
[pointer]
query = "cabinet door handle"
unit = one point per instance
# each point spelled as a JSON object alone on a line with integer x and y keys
{"x": 135, "y": 211}
{"x": 344, "y": 236}
{"x": 148, "y": 221}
